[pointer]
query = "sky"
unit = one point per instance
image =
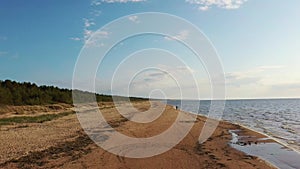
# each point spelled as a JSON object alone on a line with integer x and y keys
{"x": 258, "y": 43}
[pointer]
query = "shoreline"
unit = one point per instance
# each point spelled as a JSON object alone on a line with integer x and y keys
{"x": 275, "y": 118}
{"x": 268, "y": 136}
{"x": 216, "y": 152}
{"x": 286, "y": 149}
{"x": 249, "y": 128}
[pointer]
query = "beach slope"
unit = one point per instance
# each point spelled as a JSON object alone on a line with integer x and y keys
{"x": 61, "y": 143}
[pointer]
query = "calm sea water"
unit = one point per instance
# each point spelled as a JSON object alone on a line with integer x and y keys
{"x": 278, "y": 118}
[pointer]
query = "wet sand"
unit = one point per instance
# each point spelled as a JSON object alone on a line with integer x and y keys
{"x": 267, "y": 149}
{"x": 61, "y": 143}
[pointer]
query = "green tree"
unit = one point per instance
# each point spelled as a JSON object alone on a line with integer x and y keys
{"x": 5, "y": 96}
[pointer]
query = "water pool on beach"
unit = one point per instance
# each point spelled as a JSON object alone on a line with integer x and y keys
{"x": 273, "y": 152}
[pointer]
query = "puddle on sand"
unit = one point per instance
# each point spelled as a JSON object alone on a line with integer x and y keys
{"x": 273, "y": 152}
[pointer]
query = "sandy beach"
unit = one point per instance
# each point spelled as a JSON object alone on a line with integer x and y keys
{"x": 62, "y": 143}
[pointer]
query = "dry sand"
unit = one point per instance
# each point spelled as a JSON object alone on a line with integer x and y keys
{"x": 61, "y": 143}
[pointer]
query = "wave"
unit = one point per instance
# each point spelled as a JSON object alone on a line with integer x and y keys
{"x": 277, "y": 119}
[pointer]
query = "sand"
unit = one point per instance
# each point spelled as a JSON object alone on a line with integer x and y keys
{"x": 62, "y": 143}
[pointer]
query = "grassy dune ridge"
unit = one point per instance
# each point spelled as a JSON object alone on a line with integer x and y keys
{"x": 33, "y": 119}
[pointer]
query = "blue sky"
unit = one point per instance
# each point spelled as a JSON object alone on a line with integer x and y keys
{"x": 258, "y": 41}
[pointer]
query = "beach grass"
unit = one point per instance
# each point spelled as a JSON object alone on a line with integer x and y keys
{"x": 33, "y": 119}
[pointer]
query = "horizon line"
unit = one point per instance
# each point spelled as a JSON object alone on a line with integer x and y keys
{"x": 204, "y": 99}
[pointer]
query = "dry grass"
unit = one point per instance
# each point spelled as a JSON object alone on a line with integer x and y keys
{"x": 33, "y": 119}
{"x": 9, "y": 111}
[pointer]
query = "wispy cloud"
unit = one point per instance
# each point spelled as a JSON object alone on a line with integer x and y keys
{"x": 252, "y": 76}
{"x": 97, "y": 36}
{"x": 3, "y": 53}
{"x": 99, "y": 2}
{"x": 75, "y": 39}
{"x": 95, "y": 12}
{"x": 88, "y": 22}
{"x": 268, "y": 67}
{"x": 203, "y": 8}
{"x": 134, "y": 19}
{"x": 95, "y": 2}
{"x": 170, "y": 79}
{"x": 264, "y": 81}
{"x": 121, "y": 1}
{"x": 88, "y": 30}
{"x": 225, "y": 4}
{"x": 182, "y": 35}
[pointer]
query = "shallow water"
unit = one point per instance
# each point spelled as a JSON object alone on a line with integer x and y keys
{"x": 278, "y": 118}
{"x": 274, "y": 153}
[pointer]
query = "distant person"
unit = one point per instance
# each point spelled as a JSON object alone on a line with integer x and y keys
{"x": 176, "y": 107}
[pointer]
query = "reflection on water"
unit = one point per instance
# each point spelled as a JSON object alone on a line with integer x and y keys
{"x": 274, "y": 153}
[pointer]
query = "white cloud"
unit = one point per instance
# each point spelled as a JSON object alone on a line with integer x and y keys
{"x": 262, "y": 68}
{"x": 264, "y": 81}
{"x": 95, "y": 2}
{"x": 256, "y": 75}
{"x": 225, "y": 4}
{"x": 121, "y": 1}
{"x": 95, "y": 12}
{"x": 179, "y": 71}
{"x": 87, "y": 32}
{"x": 203, "y": 8}
{"x": 75, "y": 38}
{"x": 99, "y": 2}
{"x": 182, "y": 35}
{"x": 134, "y": 19}
{"x": 88, "y": 23}
{"x": 97, "y": 36}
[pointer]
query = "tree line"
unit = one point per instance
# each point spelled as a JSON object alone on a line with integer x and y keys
{"x": 26, "y": 93}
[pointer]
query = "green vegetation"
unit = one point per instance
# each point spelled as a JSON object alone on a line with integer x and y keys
{"x": 33, "y": 119}
{"x": 15, "y": 93}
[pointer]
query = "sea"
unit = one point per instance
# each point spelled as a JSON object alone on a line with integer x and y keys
{"x": 277, "y": 118}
